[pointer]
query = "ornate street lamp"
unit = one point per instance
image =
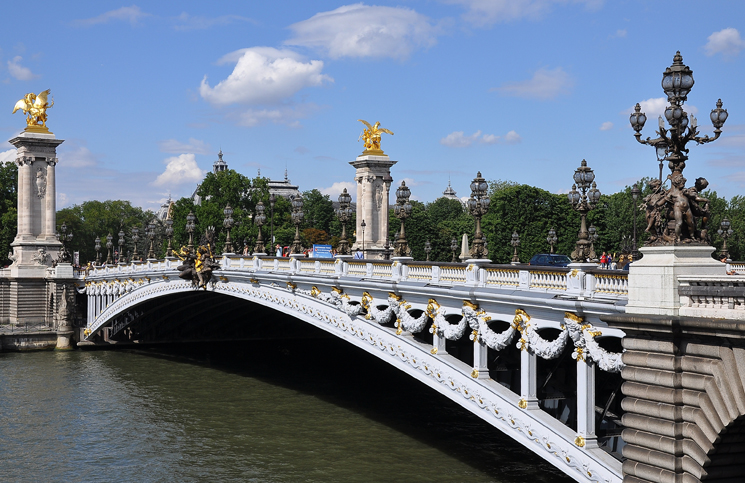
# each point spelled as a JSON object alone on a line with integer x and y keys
{"x": 454, "y": 248}
{"x": 583, "y": 201}
{"x": 478, "y": 205}
{"x": 724, "y": 231}
{"x": 272, "y": 201}
{"x": 515, "y": 242}
{"x": 169, "y": 234}
{"x": 259, "y": 219}
{"x": 190, "y": 229}
{"x": 228, "y": 224}
{"x": 363, "y": 225}
{"x": 109, "y": 246}
{"x": 402, "y": 210}
{"x": 135, "y": 239}
{"x": 64, "y": 237}
{"x": 98, "y": 250}
{"x": 635, "y": 191}
{"x": 427, "y": 248}
{"x": 122, "y": 259}
{"x": 151, "y": 236}
{"x": 677, "y": 81}
{"x": 552, "y": 239}
{"x": 297, "y": 219}
{"x": 344, "y": 213}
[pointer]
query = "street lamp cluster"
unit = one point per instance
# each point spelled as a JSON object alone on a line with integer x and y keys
{"x": 478, "y": 205}
{"x": 344, "y": 213}
{"x": 402, "y": 210}
{"x": 583, "y": 201}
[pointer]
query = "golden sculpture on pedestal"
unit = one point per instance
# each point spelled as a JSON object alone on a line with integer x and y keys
{"x": 371, "y": 137}
{"x": 35, "y": 107}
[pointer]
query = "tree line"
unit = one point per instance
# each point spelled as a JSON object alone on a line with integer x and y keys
{"x": 520, "y": 208}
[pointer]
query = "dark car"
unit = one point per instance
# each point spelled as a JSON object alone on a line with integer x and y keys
{"x": 550, "y": 260}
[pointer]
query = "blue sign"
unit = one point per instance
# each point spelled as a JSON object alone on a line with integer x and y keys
{"x": 322, "y": 251}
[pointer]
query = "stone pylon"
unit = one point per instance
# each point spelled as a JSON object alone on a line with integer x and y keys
{"x": 374, "y": 180}
{"x": 36, "y": 245}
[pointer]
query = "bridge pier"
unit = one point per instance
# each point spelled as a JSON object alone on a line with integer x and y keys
{"x": 529, "y": 380}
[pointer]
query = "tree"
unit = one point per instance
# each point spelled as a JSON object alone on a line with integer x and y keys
{"x": 8, "y": 208}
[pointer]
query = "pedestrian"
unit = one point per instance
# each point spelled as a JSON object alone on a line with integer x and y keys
{"x": 278, "y": 250}
{"x": 604, "y": 260}
{"x": 358, "y": 254}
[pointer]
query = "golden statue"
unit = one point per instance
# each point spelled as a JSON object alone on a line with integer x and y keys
{"x": 35, "y": 107}
{"x": 371, "y": 137}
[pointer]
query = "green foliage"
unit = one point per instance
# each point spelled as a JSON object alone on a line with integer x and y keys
{"x": 8, "y": 204}
{"x": 93, "y": 219}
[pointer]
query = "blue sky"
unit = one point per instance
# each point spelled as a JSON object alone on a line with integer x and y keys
{"x": 522, "y": 90}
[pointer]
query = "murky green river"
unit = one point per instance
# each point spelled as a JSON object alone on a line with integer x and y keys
{"x": 304, "y": 411}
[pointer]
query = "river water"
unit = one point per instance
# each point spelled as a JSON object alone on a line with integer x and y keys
{"x": 263, "y": 411}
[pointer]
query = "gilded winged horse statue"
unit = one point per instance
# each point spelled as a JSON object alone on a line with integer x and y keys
{"x": 371, "y": 137}
{"x": 35, "y": 107}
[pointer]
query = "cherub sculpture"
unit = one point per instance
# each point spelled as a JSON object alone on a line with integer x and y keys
{"x": 35, "y": 107}
{"x": 371, "y": 137}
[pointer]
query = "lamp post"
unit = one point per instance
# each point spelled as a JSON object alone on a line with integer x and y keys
{"x": 98, "y": 250}
{"x": 635, "y": 191}
{"x": 151, "y": 237}
{"x": 592, "y": 235}
{"x": 363, "y": 225}
{"x": 427, "y": 248}
{"x": 135, "y": 239}
{"x": 677, "y": 81}
{"x": 297, "y": 219}
{"x": 64, "y": 237}
{"x": 190, "y": 229}
{"x": 272, "y": 201}
{"x": 122, "y": 260}
{"x": 344, "y": 213}
{"x": 454, "y": 248}
{"x": 259, "y": 219}
{"x": 551, "y": 239}
{"x": 583, "y": 201}
{"x": 724, "y": 231}
{"x": 515, "y": 242}
{"x": 109, "y": 246}
{"x": 402, "y": 210}
{"x": 169, "y": 234}
{"x": 478, "y": 205}
{"x": 228, "y": 224}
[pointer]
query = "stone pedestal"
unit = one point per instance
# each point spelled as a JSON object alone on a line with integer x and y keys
{"x": 653, "y": 280}
{"x": 373, "y": 178}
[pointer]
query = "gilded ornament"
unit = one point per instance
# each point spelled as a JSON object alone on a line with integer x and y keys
{"x": 254, "y": 281}
{"x": 522, "y": 404}
{"x": 573, "y": 317}
{"x": 35, "y": 107}
{"x": 291, "y": 286}
{"x": 475, "y": 374}
{"x": 433, "y": 351}
{"x": 394, "y": 296}
{"x": 314, "y": 292}
{"x": 470, "y": 305}
{"x": 371, "y": 137}
{"x": 579, "y": 441}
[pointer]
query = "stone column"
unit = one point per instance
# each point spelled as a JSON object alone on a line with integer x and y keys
{"x": 586, "y": 404}
{"x": 50, "y": 217}
{"x": 528, "y": 380}
{"x": 373, "y": 179}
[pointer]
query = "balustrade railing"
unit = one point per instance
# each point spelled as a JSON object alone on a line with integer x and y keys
{"x": 554, "y": 279}
{"x": 381, "y": 270}
{"x": 358, "y": 269}
{"x": 611, "y": 282}
{"x": 509, "y": 277}
{"x": 712, "y": 296}
{"x": 453, "y": 274}
{"x": 419, "y": 272}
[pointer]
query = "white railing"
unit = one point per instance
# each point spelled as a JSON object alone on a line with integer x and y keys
{"x": 503, "y": 277}
{"x": 614, "y": 284}
{"x": 327, "y": 267}
{"x": 282, "y": 264}
{"x": 548, "y": 280}
{"x": 453, "y": 274}
{"x": 382, "y": 270}
{"x": 357, "y": 269}
{"x": 713, "y": 296}
{"x": 419, "y": 272}
{"x": 307, "y": 266}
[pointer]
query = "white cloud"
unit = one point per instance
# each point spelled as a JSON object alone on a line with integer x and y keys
{"x": 8, "y": 156}
{"x": 606, "y": 126}
{"x": 19, "y": 72}
{"x": 365, "y": 31}
{"x": 77, "y": 157}
{"x": 62, "y": 200}
{"x": 335, "y": 189}
{"x": 180, "y": 169}
{"x": 126, "y": 14}
{"x": 263, "y": 75}
{"x": 458, "y": 139}
{"x": 190, "y": 22}
{"x": 486, "y": 12}
{"x": 512, "y": 137}
{"x": 726, "y": 42}
{"x": 195, "y": 146}
{"x": 621, "y": 33}
{"x": 545, "y": 84}
{"x": 288, "y": 116}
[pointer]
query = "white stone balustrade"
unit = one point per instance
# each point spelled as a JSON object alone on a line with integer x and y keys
{"x": 549, "y": 280}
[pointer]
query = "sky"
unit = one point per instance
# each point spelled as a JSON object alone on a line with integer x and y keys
{"x": 522, "y": 90}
